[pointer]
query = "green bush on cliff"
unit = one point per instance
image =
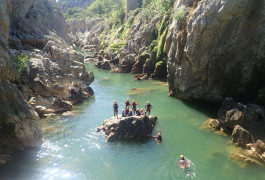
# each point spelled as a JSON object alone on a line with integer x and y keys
{"x": 21, "y": 62}
{"x": 154, "y": 8}
{"x": 116, "y": 46}
{"x": 180, "y": 15}
{"x": 161, "y": 43}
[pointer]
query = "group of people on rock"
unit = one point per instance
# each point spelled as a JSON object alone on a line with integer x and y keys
{"x": 134, "y": 111}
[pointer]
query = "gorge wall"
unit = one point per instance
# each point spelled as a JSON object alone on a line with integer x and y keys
{"x": 209, "y": 49}
{"x": 54, "y": 78}
{"x": 217, "y": 51}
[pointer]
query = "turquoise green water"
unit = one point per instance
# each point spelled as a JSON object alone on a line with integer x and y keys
{"x": 72, "y": 149}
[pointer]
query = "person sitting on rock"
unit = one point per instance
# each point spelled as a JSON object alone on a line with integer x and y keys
{"x": 123, "y": 113}
{"x": 141, "y": 111}
{"x": 158, "y": 138}
{"x": 137, "y": 112}
{"x": 148, "y": 108}
{"x": 134, "y": 104}
{"x": 127, "y": 110}
{"x": 127, "y": 103}
{"x": 115, "y": 108}
{"x": 130, "y": 113}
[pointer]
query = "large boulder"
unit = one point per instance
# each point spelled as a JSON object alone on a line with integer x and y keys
{"x": 240, "y": 136}
{"x": 135, "y": 127}
{"x": 233, "y": 113}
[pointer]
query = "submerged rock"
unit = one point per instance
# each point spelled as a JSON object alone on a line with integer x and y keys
{"x": 127, "y": 128}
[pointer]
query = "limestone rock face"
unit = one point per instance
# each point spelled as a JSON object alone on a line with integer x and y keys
{"x": 127, "y": 128}
{"x": 217, "y": 50}
{"x": 55, "y": 76}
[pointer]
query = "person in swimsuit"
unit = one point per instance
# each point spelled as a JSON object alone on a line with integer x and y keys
{"x": 183, "y": 163}
{"x": 134, "y": 104}
{"x": 158, "y": 138}
{"x": 115, "y": 108}
{"x": 148, "y": 108}
{"x": 127, "y": 103}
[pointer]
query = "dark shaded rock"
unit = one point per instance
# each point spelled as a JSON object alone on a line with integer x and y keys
{"x": 160, "y": 70}
{"x": 100, "y": 58}
{"x": 105, "y": 65}
{"x": 115, "y": 61}
{"x": 147, "y": 68}
{"x": 240, "y": 136}
{"x": 127, "y": 63}
{"x": 232, "y": 113}
{"x": 137, "y": 68}
{"x": 135, "y": 127}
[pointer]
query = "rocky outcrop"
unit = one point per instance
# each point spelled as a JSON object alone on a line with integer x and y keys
{"x": 245, "y": 123}
{"x": 54, "y": 78}
{"x": 216, "y": 51}
{"x": 129, "y": 128}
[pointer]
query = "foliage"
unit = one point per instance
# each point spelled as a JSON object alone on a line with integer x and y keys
{"x": 146, "y": 2}
{"x": 129, "y": 22}
{"x": 161, "y": 43}
{"x": 21, "y": 62}
{"x": 152, "y": 8}
{"x": 74, "y": 13}
{"x": 180, "y": 15}
{"x": 116, "y": 46}
{"x": 112, "y": 10}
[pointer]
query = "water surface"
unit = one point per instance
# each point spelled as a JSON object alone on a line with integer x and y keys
{"x": 72, "y": 149}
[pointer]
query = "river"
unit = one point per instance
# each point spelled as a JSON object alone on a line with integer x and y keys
{"x": 73, "y": 150}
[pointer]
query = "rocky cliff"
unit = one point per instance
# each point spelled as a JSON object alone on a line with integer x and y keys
{"x": 54, "y": 78}
{"x": 208, "y": 49}
{"x": 217, "y": 51}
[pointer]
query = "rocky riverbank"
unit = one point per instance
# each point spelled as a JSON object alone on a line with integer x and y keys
{"x": 40, "y": 73}
{"x": 246, "y": 125}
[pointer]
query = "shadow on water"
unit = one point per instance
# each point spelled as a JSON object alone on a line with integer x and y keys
{"x": 208, "y": 109}
{"x": 21, "y": 165}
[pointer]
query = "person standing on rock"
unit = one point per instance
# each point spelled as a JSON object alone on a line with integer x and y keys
{"x": 148, "y": 108}
{"x": 127, "y": 103}
{"x": 115, "y": 108}
{"x": 134, "y": 104}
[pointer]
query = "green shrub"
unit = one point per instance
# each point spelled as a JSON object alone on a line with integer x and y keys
{"x": 180, "y": 15}
{"x": 116, "y": 46}
{"x": 129, "y": 22}
{"x": 21, "y": 62}
{"x": 161, "y": 43}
